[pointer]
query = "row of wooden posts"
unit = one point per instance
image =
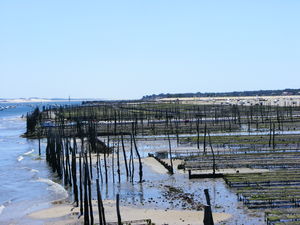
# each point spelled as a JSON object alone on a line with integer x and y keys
{"x": 177, "y": 117}
{"x": 61, "y": 155}
{"x": 72, "y": 162}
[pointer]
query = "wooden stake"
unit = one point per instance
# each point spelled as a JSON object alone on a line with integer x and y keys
{"x": 118, "y": 210}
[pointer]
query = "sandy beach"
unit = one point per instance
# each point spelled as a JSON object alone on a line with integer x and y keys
{"x": 66, "y": 214}
{"x": 282, "y": 100}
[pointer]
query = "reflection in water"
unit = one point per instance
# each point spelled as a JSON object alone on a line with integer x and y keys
{"x": 154, "y": 191}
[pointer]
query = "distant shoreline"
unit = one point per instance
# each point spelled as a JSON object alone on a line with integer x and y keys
{"x": 39, "y": 100}
{"x": 282, "y": 100}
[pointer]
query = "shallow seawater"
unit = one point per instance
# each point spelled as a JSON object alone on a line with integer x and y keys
{"x": 153, "y": 192}
{"x": 26, "y": 181}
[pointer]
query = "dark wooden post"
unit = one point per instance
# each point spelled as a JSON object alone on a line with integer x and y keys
{"x": 140, "y": 160}
{"x": 85, "y": 198}
{"x": 273, "y": 136}
{"x": 87, "y": 172}
{"x": 213, "y": 155}
{"x": 99, "y": 203}
{"x": 118, "y": 210}
{"x": 105, "y": 161}
{"x": 208, "y": 218}
{"x": 124, "y": 155}
{"x": 80, "y": 180}
{"x": 198, "y": 135}
{"x": 204, "y": 139}
{"x": 39, "y": 143}
{"x": 113, "y": 161}
{"x": 118, "y": 160}
{"x": 170, "y": 154}
{"x": 74, "y": 171}
{"x": 207, "y": 196}
{"x": 270, "y": 136}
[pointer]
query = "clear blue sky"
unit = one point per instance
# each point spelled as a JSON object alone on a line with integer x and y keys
{"x": 127, "y": 49}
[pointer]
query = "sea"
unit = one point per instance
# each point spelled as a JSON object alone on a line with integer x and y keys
{"x": 26, "y": 182}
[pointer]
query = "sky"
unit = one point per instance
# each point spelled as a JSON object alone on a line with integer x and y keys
{"x": 125, "y": 49}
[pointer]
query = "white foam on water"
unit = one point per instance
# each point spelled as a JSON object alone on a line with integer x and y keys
{"x": 2, "y": 207}
{"x": 28, "y": 153}
{"x": 34, "y": 171}
{"x": 20, "y": 158}
{"x": 31, "y": 170}
{"x": 11, "y": 118}
{"x": 55, "y": 187}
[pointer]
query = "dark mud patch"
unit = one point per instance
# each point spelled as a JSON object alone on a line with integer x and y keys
{"x": 181, "y": 199}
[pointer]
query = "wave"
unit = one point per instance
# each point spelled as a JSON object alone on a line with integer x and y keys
{"x": 11, "y": 118}
{"x": 34, "y": 171}
{"x": 2, "y": 207}
{"x": 20, "y": 158}
{"x": 29, "y": 152}
{"x": 31, "y": 170}
{"x": 55, "y": 187}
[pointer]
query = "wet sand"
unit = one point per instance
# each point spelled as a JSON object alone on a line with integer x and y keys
{"x": 154, "y": 165}
{"x": 157, "y": 167}
{"x": 65, "y": 214}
